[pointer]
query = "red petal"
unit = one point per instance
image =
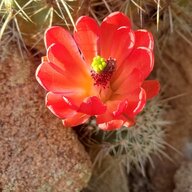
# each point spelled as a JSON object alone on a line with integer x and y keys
{"x": 143, "y": 38}
{"x": 151, "y": 88}
{"x": 129, "y": 122}
{"x": 116, "y": 19}
{"x": 135, "y": 104}
{"x": 86, "y": 37}
{"x": 58, "y": 35}
{"x": 58, "y": 106}
{"x": 112, "y": 106}
{"x": 92, "y": 106}
{"x": 74, "y": 99}
{"x": 55, "y": 82}
{"x": 122, "y": 45}
{"x": 111, "y": 125}
{"x": 107, "y": 116}
{"x": 77, "y": 119}
{"x": 66, "y": 61}
{"x": 115, "y": 116}
{"x": 109, "y": 25}
{"x": 128, "y": 84}
{"x": 115, "y": 108}
{"x": 141, "y": 58}
{"x": 122, "y": 105}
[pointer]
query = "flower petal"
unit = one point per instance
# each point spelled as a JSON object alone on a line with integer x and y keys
{"x": 76, "y": 120}
{"x": 111, "y": 125}
{"x": 58, "y": 35}
{"x": 143, "y": 38}
{"x": 128, "y": 84}
{"x": 151, "y": 88}
{"x": 58, "y": 106}
{"x": 115, "y": 117}
{"x": 112, "y": 106}
{"x": 108, "y": 27}
{"x": 122, "y": 105}
{"x": 74, "y": 99}
{"x": 92, "y": 106}
{"x": 66, "y": 61}
{"x": 141, "y": 59}
{"x": 54, "y": 81}
{"x": 122, "y": 44}
{"x": 135, "y": 103}
{"x": 86, "y": 36}
{"x": 129, "y": 122}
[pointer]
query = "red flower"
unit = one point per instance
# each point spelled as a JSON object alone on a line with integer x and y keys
{"x": 100, "y": 72}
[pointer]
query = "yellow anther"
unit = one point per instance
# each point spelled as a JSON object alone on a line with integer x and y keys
{"x": 100, "y": 67}
{"x": 98, "y": 64}
{"x": 104, "y": 64}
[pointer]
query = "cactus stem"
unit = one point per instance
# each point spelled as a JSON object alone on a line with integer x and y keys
{"x": 7, "y": 20}
{"x": 66, "y": 7}
{"x": 21, "y": 10}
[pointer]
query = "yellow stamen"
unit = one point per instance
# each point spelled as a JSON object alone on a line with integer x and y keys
{"x": 98, "y": 64}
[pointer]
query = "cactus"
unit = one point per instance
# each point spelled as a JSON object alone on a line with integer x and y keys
{"x": 113, "y": 152}
{"x": 35, "y": 16}
{"x": 129, "y": 146}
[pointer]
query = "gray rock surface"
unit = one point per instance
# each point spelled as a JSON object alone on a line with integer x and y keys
{"x": 183, "y": 178}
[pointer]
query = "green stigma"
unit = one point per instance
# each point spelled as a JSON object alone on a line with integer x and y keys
{"x": 98, "y": 64}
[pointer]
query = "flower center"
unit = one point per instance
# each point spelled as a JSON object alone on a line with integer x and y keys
{"x": 102, "y": 70}
{"x": 98, "y": 64}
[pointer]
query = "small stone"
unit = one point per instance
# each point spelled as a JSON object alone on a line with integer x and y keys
{"x": 183, "y": 178}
